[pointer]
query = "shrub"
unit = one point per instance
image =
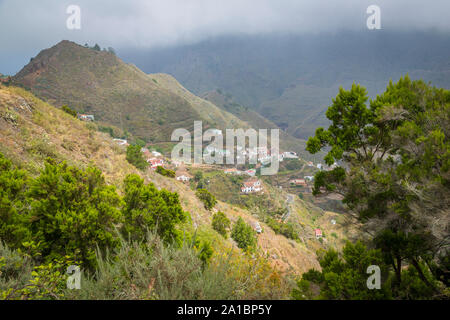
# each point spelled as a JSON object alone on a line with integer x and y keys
{"x": 286, "y": 229}
{"x": 149, "y": 208}
{"x": 344, "y": 277}
{"x": 72, "y": 211}
{"x": 69, "y": 110}
{"x": 165, "y": 172}
{"x": 135, "y": 157}
{"x": 207, "y": 198}
{"x": 244, "y": 235}
{"x": 221, "y": 223}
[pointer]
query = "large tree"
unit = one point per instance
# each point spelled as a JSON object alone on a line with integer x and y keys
{"x": 394, "y": 156}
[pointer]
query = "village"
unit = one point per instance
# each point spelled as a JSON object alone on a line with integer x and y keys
{"x": 252, "y": 185}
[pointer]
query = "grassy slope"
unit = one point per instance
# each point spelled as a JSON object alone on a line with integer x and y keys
{"x": 31, "y": 130}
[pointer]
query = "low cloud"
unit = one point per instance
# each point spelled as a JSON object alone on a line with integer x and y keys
{"x": 28, "y": 26}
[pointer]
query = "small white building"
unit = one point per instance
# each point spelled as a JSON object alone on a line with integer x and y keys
{"x": 86, "y": 117}
{"x": 257, "y": 227}
{"x": 121, "y": 142}
{"x": 251, "y": 185}
{"x": 290, "y": 155}
{"x": 183, "y": 178}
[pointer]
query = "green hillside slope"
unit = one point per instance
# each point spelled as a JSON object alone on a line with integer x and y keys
{"x": 99, "y": 83}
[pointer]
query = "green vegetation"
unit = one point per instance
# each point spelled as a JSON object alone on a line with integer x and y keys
{"x": 244, "y": 235}
{"x": 123, "y": 96}
{"x": 69, "y": 110}
{"x": 165, "y": 172}
{"x": 344, "y": 277}
{"x": 67, "y": 211}
{"x": 146, "y": 207}
{"x": 128, "y": 247}
{"x": 397, "y": 153}
{"x": 207, "y": 198}
{"x": 135, "y": 157}
{"x": 221, "y": 223}
{"x": 286, "y": 229}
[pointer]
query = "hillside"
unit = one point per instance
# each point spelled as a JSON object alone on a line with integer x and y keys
{"x": 99, "y": 83}
{"x": 32, "y": 130}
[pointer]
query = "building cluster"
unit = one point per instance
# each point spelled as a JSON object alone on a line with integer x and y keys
{"x": 260, "y": 155}
{"x": 154, "y": 158}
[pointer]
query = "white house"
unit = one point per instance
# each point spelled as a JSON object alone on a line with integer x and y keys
{"x": 86, "y": 117}
{"x": 257, "y": 227}
{"x": 290, "y": 155}
{"x": 251, "y": 185}
{"x": 298, "y": 182}
{"x": 183, "y": 178}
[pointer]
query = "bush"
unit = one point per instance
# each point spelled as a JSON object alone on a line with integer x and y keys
{"x": 149, "y": 208}
{"x": 69, "y": 110}
{"x": 207, "y": 198}
{"x": 72, "y": 211}
{"x": 344, "y": 277}
{"x": 107, "y": 130}
{"x": 221, "y": 223}
{"x": 244, "y": 235}
{"x": 135, "y": 157}
{"x": 165, "y": 172}
{"x": 286, "y": 229}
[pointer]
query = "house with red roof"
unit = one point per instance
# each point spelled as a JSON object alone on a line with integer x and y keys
{"x": 318, "y": 233}
{"x": 251, "y": 185}
{"x": 155, "y": 162}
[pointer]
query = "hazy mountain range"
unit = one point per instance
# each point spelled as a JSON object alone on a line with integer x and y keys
{"x": 291, "y": 79}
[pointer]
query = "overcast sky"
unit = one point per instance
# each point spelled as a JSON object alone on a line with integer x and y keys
{"x": 27, "y": 26}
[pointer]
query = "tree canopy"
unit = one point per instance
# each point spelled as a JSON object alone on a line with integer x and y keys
{"x": 394, "y": 159}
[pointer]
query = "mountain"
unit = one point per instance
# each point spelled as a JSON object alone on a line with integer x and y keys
{"x": 291, "y": 79}
{"x": 149, "y": 106}
{"x": 116, "y": 93}
{"x": 32, "y": 130}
